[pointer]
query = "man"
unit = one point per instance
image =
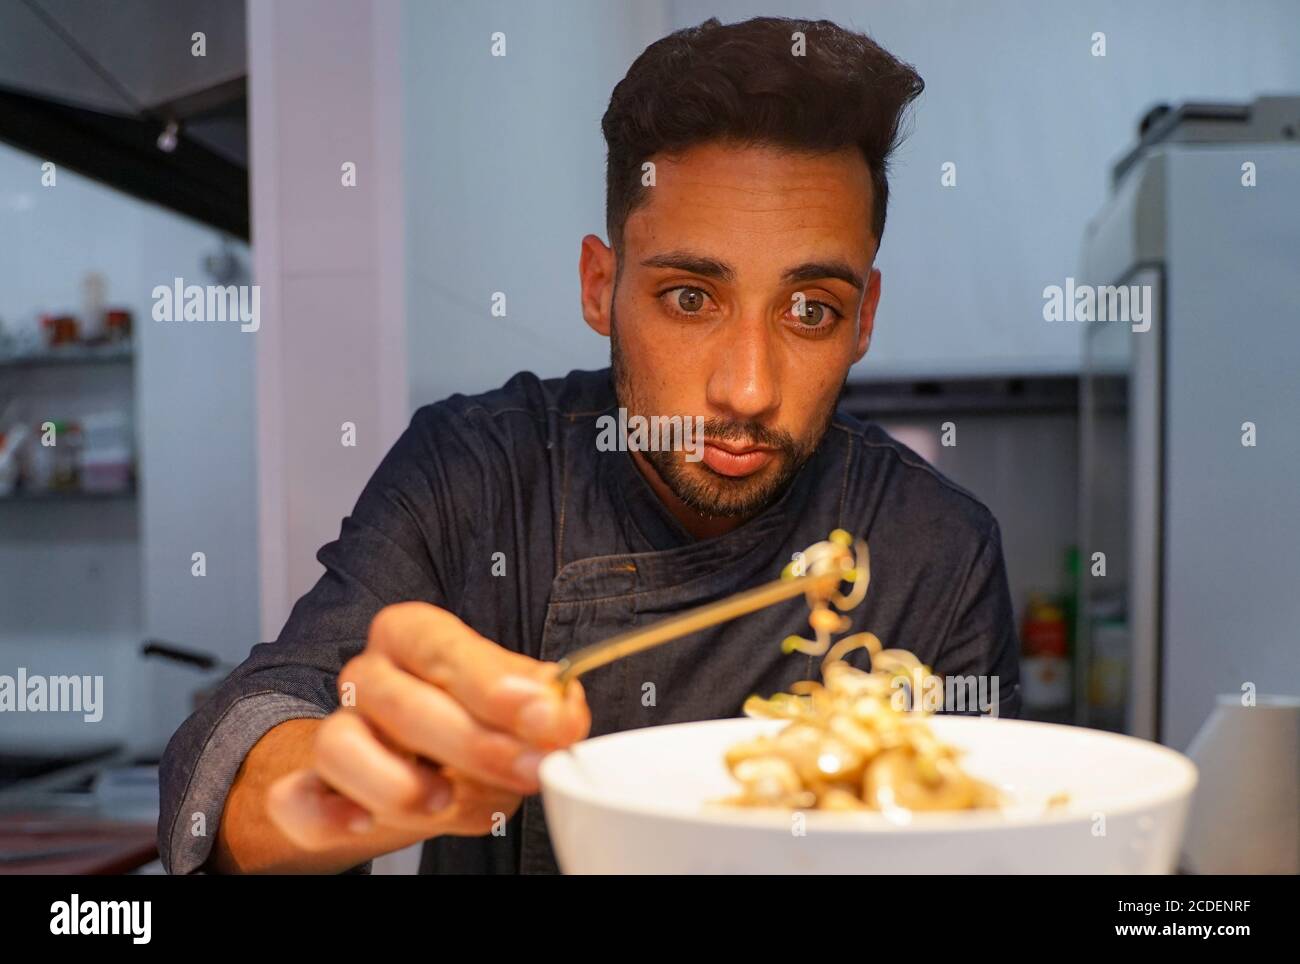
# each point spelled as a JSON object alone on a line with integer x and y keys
{"x": 407, "y": 697}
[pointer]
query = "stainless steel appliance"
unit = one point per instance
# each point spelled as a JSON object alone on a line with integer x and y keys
{"x": 1191, "y": 425}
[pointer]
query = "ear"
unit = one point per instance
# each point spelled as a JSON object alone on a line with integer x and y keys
{"x": 867, "y": 314}
{"x": 597, "y": 266}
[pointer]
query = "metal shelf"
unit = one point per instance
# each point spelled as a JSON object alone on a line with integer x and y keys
{"x": 993, "y": 395}
{"x": 68, "y": 495}
{"x": 115, "y": 353}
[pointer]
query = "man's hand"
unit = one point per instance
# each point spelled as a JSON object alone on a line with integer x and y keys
{"x": 440, "y": 732}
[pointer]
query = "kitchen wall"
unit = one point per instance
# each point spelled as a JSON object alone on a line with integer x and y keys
{"x": 82, "y": 582}
{"x": 1033, "y": 121}
{"x": 504, "y": 173}
{"x": 505, "y": 163}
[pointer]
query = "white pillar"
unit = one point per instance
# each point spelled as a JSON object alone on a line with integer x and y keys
{"x": 324, "y": 91}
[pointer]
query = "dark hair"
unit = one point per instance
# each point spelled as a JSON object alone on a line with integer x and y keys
{"x": 743, "y": 82}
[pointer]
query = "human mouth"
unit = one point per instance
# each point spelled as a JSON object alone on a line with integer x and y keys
{"x": 735, "y": 462}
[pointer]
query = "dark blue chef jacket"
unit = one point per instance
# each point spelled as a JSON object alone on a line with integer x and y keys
{"x": 502, "y": 509}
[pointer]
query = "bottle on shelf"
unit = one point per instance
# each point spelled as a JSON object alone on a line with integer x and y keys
{"x": 1045, "y": 676}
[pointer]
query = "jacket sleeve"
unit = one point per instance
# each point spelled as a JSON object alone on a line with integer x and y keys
{"x": 401, "y": 542}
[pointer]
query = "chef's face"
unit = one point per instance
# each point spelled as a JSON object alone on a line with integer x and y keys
{"x": 743, "y": 293}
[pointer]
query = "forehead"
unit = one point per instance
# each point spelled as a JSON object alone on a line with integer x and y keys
{"x": 765, "y": 202}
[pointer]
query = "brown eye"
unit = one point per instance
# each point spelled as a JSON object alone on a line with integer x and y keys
{"x": 690, "y": 300}
{"x": 813, "y": 313}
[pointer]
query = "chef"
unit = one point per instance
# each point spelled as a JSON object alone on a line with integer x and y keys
{"x": 407, "y": 700}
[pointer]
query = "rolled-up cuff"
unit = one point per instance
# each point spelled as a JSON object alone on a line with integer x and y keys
{"x": 187, "y": 844}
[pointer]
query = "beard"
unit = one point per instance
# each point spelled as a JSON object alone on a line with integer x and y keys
{"x": 703, "y": 490}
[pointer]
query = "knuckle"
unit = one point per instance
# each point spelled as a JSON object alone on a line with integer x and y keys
{"x": 373, "y": 686}
{"x": 334, "y": 746}
{"x": 490, "y": 751}
{"x": 356, "y": 669}
{"x": 397, "y": 798}
{"x": 445, "y": 649}
{"x": 397, "y": 714}
{"x": 382, "y": 626}
{"x": 388, "y": 626}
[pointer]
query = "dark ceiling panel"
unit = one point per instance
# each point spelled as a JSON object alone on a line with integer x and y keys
{"x": 123, "y": 153}
{"x": 143, "y": 45}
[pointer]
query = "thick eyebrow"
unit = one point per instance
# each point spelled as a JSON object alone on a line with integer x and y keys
{"x": 721, "y": 271}
{"x": 692, "y": 263}
{"x": 817, "y": 270}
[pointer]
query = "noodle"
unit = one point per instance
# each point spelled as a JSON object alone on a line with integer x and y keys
{"x": 849, "y": 745}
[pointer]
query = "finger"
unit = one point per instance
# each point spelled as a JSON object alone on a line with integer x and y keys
{"x": 430, "y": 722}
{"x": 477, "y": 808}
{"x": 578, "y": 714}
{"x": 506, "y": 690}
{"x": 311, "y": 815}
{"x": 397, "y": 790}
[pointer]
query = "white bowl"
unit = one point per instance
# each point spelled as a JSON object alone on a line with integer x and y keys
{"x": 645, "y": 802}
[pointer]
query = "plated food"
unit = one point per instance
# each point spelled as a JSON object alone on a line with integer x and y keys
{"x": 646, "y": 801}
{"x": 879, "y": 785}
{"x": 849, "y": 747}
{"x": 857, "y": 740}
